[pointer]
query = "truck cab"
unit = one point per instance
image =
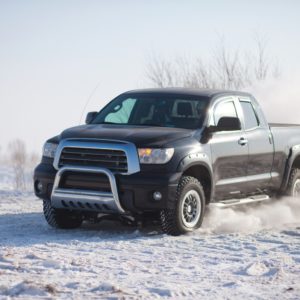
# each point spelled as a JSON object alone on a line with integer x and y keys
{"x": 166, "y": 153}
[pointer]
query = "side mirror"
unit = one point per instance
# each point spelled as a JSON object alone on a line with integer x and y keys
{"x": 229, "y": 124}
{"x": 224, "y": 124}
{"x": 90, "y": 117}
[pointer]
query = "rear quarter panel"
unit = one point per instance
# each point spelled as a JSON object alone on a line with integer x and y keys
{"x": 285, "y": 138}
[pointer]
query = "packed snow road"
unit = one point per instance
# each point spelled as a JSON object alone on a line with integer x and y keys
{"x": 250, "y": 254}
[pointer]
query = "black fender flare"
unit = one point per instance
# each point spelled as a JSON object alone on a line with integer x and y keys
{"x": 197, "y": 159}
{"x": 294, "y": 153}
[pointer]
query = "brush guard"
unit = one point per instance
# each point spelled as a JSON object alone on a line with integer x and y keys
{"x": 107, "y": 202}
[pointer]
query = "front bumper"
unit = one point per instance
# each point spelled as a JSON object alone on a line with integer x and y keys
{"x": 135, "y": 191}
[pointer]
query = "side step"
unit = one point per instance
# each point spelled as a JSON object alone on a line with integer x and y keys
{"x": 235, "y": 202}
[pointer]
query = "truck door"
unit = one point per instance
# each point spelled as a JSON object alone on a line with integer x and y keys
{"x": 229, "y": 153}
{"x": 260, "y": 146}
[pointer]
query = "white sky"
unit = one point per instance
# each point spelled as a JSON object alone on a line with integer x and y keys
{"x": 54, "y": 53}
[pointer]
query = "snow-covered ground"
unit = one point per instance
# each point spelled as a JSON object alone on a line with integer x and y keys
{"x": 251, "y": 253}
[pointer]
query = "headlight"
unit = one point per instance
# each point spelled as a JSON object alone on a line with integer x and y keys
{"x": 49, "y": 150}
{"x": 155, "y": 156}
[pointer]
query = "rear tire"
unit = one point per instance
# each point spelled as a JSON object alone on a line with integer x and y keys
{"x": 189, "y": 208}
{"x": 61, "y": 218}
{"x": 293, "y": 188}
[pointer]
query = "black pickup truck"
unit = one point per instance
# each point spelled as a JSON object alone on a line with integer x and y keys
{"x": 167, "y": 154}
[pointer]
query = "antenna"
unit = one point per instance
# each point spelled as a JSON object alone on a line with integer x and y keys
{"x": 89, "y": 99}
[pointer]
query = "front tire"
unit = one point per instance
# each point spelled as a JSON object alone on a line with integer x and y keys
{"x": 61, "y": 218}
{"x": 293, "y": 188}
{"x": 189, "y": 208}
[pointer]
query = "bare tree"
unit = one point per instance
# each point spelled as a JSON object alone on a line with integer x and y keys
{"x": 160, "y": 72}
{"x": 223, "y": 70}
{"x": 17, "y": 153}
{"x": 33, "y": 159}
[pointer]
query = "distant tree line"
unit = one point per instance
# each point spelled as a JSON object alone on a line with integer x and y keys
{"x": 225, "y": 69}
{"x": 20, "y": 161}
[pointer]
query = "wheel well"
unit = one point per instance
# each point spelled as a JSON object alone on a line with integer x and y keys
{"x": 296, "y": 163}
{"x": 203, "y": 175}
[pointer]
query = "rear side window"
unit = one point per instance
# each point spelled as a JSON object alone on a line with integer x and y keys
{"x": 224, "y": 109}
{"x": 251, "y": 120}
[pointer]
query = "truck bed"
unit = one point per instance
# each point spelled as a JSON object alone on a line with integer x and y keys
{"x": 285, "y": 136}
{"x": 283, "y": 125}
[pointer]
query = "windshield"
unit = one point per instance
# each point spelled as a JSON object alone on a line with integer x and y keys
{"x": 155, "y": 110}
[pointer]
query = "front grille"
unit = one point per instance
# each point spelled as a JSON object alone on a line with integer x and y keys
{"x": 85, "y": 181}
{"x": 114, "y": 160}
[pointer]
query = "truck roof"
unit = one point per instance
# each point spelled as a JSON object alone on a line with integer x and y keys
{"x": 188, "y": 91}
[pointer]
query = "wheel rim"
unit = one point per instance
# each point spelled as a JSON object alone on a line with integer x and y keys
{"x": 191, "y": 209}
{"x": 296, "y": 189}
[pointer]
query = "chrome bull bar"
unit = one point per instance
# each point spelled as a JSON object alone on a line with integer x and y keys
{"x": 91, "y": 200}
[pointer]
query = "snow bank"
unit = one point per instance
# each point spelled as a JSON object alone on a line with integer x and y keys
{"x": 28, "y": 289}
{"x": 112, "y": 261}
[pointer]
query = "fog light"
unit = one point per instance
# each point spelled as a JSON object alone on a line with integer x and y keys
{"x": 39, "y": 186}
{"x": 157, "y": 196}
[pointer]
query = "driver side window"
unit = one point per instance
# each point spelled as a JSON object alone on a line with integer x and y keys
{"x": 224, "y": 109}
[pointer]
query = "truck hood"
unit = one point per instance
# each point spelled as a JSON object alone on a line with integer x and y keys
{"x": 141, "y": 136}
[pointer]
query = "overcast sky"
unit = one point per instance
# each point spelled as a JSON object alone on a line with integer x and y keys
{"x": 54, "y": 53}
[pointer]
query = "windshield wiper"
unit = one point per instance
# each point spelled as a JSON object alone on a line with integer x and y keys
{"x": 112, "y": 123}
{"x": 134, "y": 124}
{"x": 148, "y": 124}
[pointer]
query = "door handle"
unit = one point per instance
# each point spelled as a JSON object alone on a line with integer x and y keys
{"x": 242, "y": 141}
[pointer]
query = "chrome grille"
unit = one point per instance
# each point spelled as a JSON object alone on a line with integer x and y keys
{"x": 114, "y": 160}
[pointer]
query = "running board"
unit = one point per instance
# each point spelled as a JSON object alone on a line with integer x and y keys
{"x": 235, "y": 202}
